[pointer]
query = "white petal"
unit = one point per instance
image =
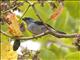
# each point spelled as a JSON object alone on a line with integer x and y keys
{"x": 12, "y": 42}
{"x": 19, "y": 51}
{"x": 17, "y": 13}
{"x": 31, "y": 45}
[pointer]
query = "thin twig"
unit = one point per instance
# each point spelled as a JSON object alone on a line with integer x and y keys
{"x": 33, "y": 37}
{"x": 2, "y": 12}
{"x": 24, "y": 38}
{"x": 25, "y": 12}
{"x": 64, "y": 35}
{"x": 36, "y": 12}
{"x": 6, "y": 34}
{"x": 34, "y": 9}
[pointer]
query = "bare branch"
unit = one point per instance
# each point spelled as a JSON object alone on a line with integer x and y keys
{"x": 56, "y": 34}
{"x": 33, "y": 37}
{"x": 24, "y": 38}
{"x": 60, "y": 35}
{"x": 36, "y": 12}
{"x": 4, "y": 33}
{"x": 2, "y": 12}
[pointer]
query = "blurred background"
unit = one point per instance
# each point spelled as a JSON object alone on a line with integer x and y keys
{"x": 50, "y": 47}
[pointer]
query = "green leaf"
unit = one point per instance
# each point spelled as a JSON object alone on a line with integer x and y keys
{"x": 46, "y": 54}
{"x": 4, "y": 38}
{"x": 73, "y": 56}
{"x": 59, "y": 51}
{"x": 74, "y": 8}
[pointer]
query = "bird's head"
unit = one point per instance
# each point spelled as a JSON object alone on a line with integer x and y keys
{"x": 28, "y": 20}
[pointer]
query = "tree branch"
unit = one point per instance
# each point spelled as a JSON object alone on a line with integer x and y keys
{"x": 6, "y": 34}
{"x": 24, "y": 38}
{"x": 33, "y": 37}
{"x": 54, "y": 33}
{"x": 36, "y": 12}
{"x": 2, "y": 12}
{"x": 61, "y": 35}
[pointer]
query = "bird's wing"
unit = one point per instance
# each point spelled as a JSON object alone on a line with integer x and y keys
{"x": 34, "y": 28}
{"x": 41, "y": 23}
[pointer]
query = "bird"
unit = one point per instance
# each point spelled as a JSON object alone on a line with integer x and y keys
{"x": 37, "y": 27}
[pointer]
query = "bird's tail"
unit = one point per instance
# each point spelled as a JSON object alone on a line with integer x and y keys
{"x": 56, "y": 30}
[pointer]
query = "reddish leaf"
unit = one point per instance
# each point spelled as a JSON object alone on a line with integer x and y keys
{"x": 13, "y": 24}
{"x": 56, "y": 13}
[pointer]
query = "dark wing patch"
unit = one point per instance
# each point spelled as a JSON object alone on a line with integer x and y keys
{"x": 16, "y": 45}
{"x": 39, "y": 22}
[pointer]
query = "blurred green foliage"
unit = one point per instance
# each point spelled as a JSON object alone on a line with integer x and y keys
{"x": 68, "y": 21}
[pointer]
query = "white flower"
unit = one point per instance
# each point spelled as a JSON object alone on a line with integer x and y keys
{"x": 18, "y": 13}
{"x": 19, "y": 51}
{"x": 12, "y": 42}
{"x": 31, "y": 45}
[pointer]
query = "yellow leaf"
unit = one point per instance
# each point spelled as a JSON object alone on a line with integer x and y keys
{"x": 6, "y": 52}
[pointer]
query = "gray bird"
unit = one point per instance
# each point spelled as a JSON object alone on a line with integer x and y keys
{"x": 36, "y": 27}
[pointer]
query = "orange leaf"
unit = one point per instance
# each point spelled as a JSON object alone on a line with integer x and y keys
{"x": 13, "y": 24}
{"x": 57, "y": 13}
